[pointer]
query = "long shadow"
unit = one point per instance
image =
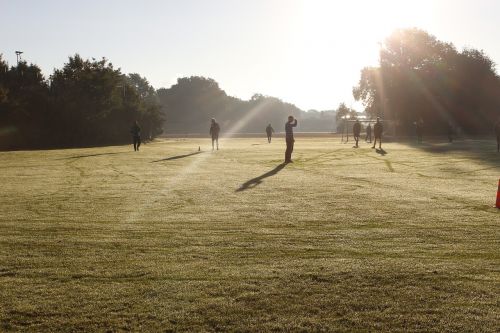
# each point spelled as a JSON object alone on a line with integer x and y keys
{"x": 89, "y": 155}
{"x": 481, "y": 149}
{"x": 258, "y": 180}
{"x": 178, "y": 157}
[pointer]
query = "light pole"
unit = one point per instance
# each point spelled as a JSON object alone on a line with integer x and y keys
{"x": 18, "y": 56}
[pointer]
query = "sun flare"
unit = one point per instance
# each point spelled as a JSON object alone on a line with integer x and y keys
{"x": 339, "y": 38}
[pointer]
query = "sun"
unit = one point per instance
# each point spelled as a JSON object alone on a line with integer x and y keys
{"x": 331, "y": 41}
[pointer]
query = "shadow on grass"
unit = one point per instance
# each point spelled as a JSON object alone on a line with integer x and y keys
{"x": 258, "y": 180}
{"x": 89, "y": 155}
{"x": 178, "y": 157}
{"x": 381, "y": 152}
{"x": 472, "y": 145}
{"x": 480, "y": 149}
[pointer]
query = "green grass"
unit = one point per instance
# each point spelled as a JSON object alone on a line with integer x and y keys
{"x": 343, "y": 239}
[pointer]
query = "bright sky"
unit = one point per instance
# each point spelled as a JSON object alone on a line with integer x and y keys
{"x": 305, "y": 52}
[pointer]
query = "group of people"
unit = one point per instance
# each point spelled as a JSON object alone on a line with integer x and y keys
{"x": 290, "y": 140}
{"x": 291, "y": 123}
{"x": 378, "y": 130}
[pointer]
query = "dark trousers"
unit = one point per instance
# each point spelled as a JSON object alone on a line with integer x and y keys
{"x": 269, "y": 136}
{"x": 215, "y": 139}
{"x": 289, "y": 149}
{"x": 137, "y": 142}
{"x": 356, "y": 138}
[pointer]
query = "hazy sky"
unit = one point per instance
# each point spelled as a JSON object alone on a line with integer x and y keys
{"x": 305, "y": 52}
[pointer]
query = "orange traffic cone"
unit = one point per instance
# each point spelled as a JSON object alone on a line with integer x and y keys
{"x": 498, "y": 195}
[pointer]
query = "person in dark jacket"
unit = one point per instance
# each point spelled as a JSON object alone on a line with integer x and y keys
{"x": 378, "y": 129}
{"x": 290, "y": 124}
{"x": 136, "y": 135}
{"x": 356, "y": 130}
{"x": 269, "y": 132}
{"x": 214, "y": 132}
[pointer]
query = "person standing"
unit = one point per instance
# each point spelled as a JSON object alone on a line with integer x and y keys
{"x": 214, "y": 132}
{"x": 369, "y": 133}
{"x": 497, "y": 132}
{"x": 136, "y": 135}
{"x": 290, "y": 124}
{"x": 378, "y": 129}
{"x": 269, "y": 132}
{"x": 356, "y": 130}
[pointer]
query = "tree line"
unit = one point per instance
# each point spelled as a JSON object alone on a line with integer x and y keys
{"x": 189, "y": 104}
{"x": 85, "y": 103}
{"x": 420, "y": 78}
{"x": 89, "y": 102}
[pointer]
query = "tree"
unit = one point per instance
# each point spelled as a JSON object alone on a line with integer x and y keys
{"x": 87, "y": 102}
{"x": 151, "y": 116}
{"x": 420, "y": 77}
{"x": 342, "y": 114}
{"x": 24, "y": 111}
{"x": 191, "y": 102}
{"x": 97, "y": 104}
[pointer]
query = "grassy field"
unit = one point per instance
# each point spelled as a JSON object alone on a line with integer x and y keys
{"x": 169, "y": 239}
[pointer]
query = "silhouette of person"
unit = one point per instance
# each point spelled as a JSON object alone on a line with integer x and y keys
{"x": 290, "y": 124}
{"x": 378, "y": 129}
{"x": 269, "y": 132}
{"x": 356, "y": 130}
{"x": 214, "y": 132}
{"x": 497, "y": 132}
{"x": 369, "y": 133}
{"x": 135, "y": 130}
{"x": 419, "y": 129}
